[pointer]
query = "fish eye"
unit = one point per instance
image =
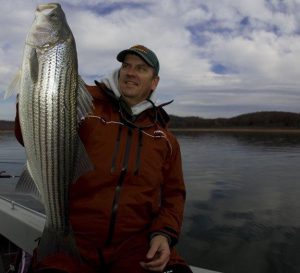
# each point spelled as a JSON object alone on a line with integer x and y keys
{"x": 53, "y": 16}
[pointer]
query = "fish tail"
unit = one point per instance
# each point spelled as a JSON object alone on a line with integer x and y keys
{"x": 53, "y": 242}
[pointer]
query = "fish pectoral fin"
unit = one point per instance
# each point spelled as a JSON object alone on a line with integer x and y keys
{"x": 34, "y": 66}
{"x": 84, "y": 101}
{"x": 83, "y": 163}
{"x": 15, "y": 85}
{"x": 26, "y": 185}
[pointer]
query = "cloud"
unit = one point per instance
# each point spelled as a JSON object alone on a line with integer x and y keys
{"x": 208, "y": 50}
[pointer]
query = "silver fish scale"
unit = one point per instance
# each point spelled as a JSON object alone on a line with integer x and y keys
{"x": 51, "y": 133}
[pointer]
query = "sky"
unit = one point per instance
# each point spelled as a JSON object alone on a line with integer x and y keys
{"x": 218, "y": 58}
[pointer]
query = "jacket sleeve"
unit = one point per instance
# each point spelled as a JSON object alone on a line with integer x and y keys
{"x": 169, "y": 220}
{"x": 18, "y": 132}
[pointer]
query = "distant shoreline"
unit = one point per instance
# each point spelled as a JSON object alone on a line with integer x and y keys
{"x": 260, "y": 122}
{"x": 225, "y": 130}
{"x": 238, "y": 130}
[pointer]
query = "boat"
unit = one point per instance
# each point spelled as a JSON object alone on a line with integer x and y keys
{"x": 21, "y": 225}
{"x": 4, "y": 174}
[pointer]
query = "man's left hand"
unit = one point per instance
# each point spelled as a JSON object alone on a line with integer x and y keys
{"x": 158, "y": 254}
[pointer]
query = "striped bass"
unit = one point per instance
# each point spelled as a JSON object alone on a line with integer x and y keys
{"x": 52, "y": 101}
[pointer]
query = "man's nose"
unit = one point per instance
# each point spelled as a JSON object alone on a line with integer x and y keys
{"x": 130, "y": 71}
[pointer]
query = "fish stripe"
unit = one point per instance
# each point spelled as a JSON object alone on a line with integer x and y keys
{"x": 51, "y": 132}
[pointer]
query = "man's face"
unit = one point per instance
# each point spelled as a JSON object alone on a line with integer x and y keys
{"x": 136, "y": 80}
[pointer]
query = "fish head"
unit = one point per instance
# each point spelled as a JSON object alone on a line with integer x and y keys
{"x": 49, "y": 26}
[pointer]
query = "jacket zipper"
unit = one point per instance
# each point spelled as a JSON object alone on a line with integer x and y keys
{"x": 117, "y": 195}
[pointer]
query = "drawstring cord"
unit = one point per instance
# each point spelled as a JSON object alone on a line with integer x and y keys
{"x": 156, "y": 134}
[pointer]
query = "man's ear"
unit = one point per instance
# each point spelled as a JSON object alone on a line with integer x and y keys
{"x": 155, "y": 83}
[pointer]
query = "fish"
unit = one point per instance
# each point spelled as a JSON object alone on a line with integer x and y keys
{"x": 52, "y": 101}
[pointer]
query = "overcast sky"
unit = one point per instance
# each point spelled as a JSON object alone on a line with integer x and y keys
{"x": 219, "y": 58}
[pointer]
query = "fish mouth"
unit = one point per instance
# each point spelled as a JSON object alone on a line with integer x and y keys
{"x": 46, "y": 8}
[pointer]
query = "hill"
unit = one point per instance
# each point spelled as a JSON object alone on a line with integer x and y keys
{"x": 271, "y": 119}
{"x": 6, "y": 125}
{"x": 274, "y": 119}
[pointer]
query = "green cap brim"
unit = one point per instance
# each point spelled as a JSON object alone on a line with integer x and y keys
{"x": 121, "y": 56}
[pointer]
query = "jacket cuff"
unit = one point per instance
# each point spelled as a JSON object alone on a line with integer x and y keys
{"x": 172, "y": 240}
{"x": 162, "y": 234}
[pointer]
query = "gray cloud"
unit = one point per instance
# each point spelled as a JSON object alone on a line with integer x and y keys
{"x": 218, "y": 58}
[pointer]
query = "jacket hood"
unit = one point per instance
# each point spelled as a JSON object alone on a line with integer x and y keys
{"x": 112, "y": 83}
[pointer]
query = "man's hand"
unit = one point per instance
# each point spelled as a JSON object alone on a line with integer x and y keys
{"x": 158, "y": 254}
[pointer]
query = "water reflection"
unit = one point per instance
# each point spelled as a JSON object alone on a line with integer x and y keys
{"x": 279, "y": 138}
{"x": 242, "y": 212}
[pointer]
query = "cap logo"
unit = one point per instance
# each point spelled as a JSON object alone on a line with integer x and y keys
{"x": 140, "y": 48}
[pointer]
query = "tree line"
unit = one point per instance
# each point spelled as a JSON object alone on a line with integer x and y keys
{"x": 6, "y": 125}
{"x": 270, "y": 119}
{"x": 267, "y": 119}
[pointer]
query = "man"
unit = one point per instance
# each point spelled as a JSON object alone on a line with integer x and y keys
{"x": 127, "y": 213}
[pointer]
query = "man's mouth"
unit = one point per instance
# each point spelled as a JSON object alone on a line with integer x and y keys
{"x": 131, "y": 83}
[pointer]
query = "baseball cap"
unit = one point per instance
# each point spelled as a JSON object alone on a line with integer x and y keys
{"x": 145, "y": 53}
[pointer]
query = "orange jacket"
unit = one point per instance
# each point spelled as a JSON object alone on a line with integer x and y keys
{"x": 137, "y": 183}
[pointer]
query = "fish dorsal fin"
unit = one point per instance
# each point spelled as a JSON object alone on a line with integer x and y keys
{"x": 84, "y": 101}
{"x": 14, "y": 86}
{"x": 26, "y": 185}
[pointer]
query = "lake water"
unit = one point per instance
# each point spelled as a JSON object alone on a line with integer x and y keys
{"x": 242, "y": 212}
